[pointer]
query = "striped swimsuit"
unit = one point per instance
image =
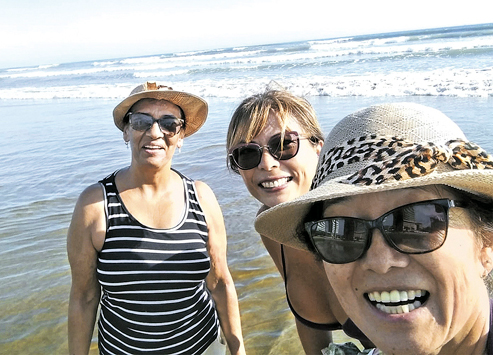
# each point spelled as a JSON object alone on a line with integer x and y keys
{"x": 154, "y": 296}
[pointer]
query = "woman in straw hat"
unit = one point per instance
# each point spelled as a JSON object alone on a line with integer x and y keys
{"x": 400, "y": 214}
{"x": 148, "y": 245}
{"x": 273, "y": 142}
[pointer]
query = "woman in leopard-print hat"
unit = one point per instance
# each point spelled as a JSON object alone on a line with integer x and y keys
{"x": 400, "y": 212}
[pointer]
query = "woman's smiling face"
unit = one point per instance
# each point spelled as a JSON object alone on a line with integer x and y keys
{"x": 153, "y": 147}
{"x": 441, "y": 295}
{"x": 274, "y": 181}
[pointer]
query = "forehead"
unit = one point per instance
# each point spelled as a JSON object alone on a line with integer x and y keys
{"x": 274, "y": 124}
{"x": 153, "y": 106}
{"x": 257, "y": 130}
{"x": 381, "y": 202}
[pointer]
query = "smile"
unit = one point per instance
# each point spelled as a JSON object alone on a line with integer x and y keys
{"x": 152, "y": 147}
{"x": 275, "y": 183}
{"x": 398, "y": 302}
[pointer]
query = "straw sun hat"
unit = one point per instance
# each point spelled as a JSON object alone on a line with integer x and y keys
{"x": 194, "y": 107}
{"x": 380, "y": 148}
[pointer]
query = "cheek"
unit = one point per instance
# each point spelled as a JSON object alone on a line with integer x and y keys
{"x": 247, "y": 176}
{"x": 339, "y": 276}
{"x": 305, "y": 164}
{"x": 457, "y": 265}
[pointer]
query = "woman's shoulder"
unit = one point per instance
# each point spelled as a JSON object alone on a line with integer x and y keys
{"x": 204, "y": 191}
{"x": 91, "y": 196}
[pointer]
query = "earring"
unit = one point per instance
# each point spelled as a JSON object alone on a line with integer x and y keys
{"x": 126, "y": 143}
{"x": 487, "y": 262}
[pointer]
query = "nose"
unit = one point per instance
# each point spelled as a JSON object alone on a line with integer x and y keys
{"x": 267, "y": 161}
{"x": 155, "y": 131}
{"x": 381, "y": 257}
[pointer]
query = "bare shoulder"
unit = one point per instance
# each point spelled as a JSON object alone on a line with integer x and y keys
{"x": 90, "y": 202}
{"x": 211, "y": 208}
{"x": 88, "y": 219}
{"x": 206, "y": 196}
{"x": 203, "y": 189}
{"x": 91, "y": 194}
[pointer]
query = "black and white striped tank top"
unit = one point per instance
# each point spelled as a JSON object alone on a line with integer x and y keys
{"x": 154, "y": 296}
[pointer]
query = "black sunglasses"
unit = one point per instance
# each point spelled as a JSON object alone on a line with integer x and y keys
{"x": 168, "y": 124}
{"x": 247, "y": 156}
{"x": 416, "y": 228}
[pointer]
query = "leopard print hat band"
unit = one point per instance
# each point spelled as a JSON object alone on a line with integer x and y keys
{"x": 393, "y": 158}
{"x": 385, "y": 147}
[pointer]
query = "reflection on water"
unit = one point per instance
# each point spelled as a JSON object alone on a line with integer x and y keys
{"x": 72, "y": 144}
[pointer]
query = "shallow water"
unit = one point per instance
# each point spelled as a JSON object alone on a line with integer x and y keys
{"x": 51, "y": 150}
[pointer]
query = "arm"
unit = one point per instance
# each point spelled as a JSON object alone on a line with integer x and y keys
{"x": 85, "y": 230}
{"x": 219, "y": 281}
{"x": 313, "y": 340}
{"x": 310, "y": 294}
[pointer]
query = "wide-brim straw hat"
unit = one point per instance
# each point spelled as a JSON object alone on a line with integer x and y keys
{"x": 194, "y": 107}
{"x": 381, "y": 148}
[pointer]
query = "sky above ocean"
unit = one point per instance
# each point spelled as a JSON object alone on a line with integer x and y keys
{"x": 56, "y": 31}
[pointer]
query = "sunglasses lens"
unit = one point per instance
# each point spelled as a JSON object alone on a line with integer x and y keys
{"x": 169, "y": 124}
{"x": 412, "y": 229}
{"x": 247, "y": 156}
{"x": 417, "y": 228}
{"x": 339, "y": 240}
{"x": 141, "y": 122}
{"x": 284, "y": 149}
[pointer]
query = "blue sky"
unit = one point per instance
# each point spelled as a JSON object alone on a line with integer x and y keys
{"x": 38, "y": 32}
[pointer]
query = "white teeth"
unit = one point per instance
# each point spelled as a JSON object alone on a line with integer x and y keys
{"x": 275, "y": 183}
{"x": 385, "y": 296}
{"x": 394, "y": 309}
{"x": 394, "y": 297}
{"x": 404, "y": 296}
{"x": 376, "y": 296}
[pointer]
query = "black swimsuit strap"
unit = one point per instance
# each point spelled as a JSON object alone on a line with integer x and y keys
{"x": 306, "y": 322}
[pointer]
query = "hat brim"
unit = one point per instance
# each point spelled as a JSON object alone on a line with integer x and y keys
{"x": 194, "y": 107}
{"x": 281, "y": 222}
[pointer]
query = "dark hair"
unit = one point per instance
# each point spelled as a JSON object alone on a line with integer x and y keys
{"x": 480, "y": 211}
{"x": 182, "y": 113}
{"x": 314, "y": 213}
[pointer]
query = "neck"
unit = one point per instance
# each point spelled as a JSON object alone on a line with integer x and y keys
{"x": 148, "y": 177}
{"x": 474, "y": 341}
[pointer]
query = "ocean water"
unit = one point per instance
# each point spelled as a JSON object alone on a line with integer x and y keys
{"x": 58, "y": 137}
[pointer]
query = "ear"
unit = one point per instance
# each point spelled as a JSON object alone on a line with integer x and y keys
{"x": 319, "y": 146}
{"x": 487, "y": 260}
{"x": 126, "y": 137}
